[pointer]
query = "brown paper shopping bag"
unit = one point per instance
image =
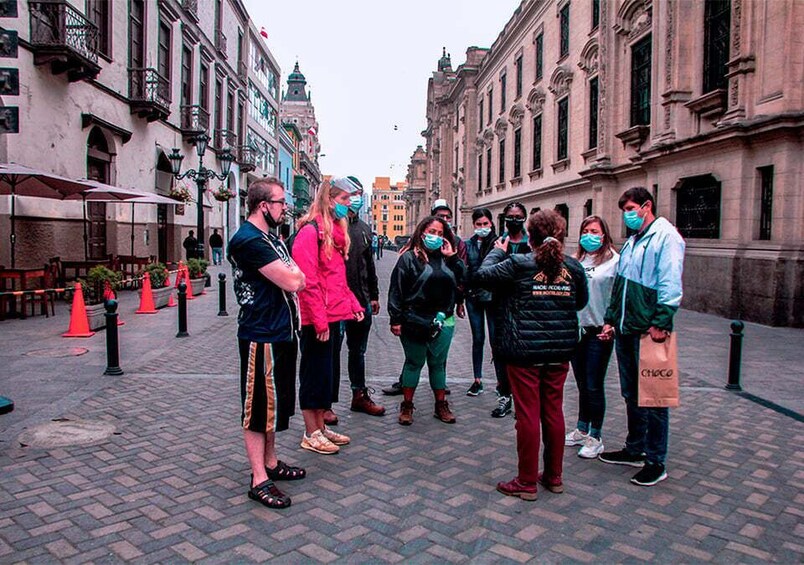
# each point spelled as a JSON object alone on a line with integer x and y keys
{"x": 658, "y": 372}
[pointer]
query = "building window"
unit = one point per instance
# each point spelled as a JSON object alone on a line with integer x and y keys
{"x": 260, "y": 109}
{"x": 136, "y": 34}
{"x": 765, "y": 202}
{"x": 595, "y": 14}
{"x": 491, "y": 104}
{"x": 717, "y": 24}
{"x": 241, "y": 119}
{"x": 640, "y": 82}
{"x": 501, "y": 176}
{"x": 218, "y": 104}
{"x": 203, "y": 86}
{"x": 587, "y": 208}
{"x": 518, "y": 65}
{"x": 455, "y": 164}
{"x": 563, "y": 209}
{"x": 480, "y": 171}
{"x": 517, "y": 152}
{"x": 503, "y": 88}
{"x": 563, "y": 48}
{"x": 266, "y": 159}
{"x": 698, "y": 208}
{"x": 537, "y": 142}
{"x": 488, "y": 167}
{"x": 98, "y": 12}
{"x": 593, "y": 110}
{"x": 563, "y": 128}
{"x": 186, "y": 75}
{"x": 263, "y": 72}
{"x": 539, "y": 56}
{"x": 480, "y": 115}
{"x": 239, "y": 46}
{"x": 230, "y": 111}
{"x": 163, "y": 56}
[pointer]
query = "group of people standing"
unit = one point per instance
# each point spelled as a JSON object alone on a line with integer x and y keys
{"x": 543, "y": 311}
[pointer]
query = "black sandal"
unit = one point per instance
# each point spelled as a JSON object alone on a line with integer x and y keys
{"x": 267, "y": 494}
{"x": 285, "y": 472}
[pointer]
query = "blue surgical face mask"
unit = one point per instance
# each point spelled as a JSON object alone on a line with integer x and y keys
{"x": 632, "y": 219}
{"x": 355, "y": 203}
{"x": 340, "y": 211}
{"x": 482, "y": 232}
{"x": 432, "y": 242}
{"x": 591, "y": 242}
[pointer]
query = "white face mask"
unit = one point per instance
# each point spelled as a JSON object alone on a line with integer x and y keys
{"x": 482, "y": 232}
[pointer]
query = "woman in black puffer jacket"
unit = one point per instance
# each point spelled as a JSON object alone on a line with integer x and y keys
{"x": 536, "y": 334}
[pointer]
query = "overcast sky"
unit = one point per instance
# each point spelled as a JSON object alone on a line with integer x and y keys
{"x": 367, "y": 63}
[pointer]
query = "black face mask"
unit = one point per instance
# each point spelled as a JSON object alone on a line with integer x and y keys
{"x": 269, "y": 219}
{"x": 514, "y": 227}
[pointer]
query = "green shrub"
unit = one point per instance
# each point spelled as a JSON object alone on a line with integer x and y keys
{"x": 197, "y": 267}
{"x": 158, "y": 274}
{"x": 95, "y": 283}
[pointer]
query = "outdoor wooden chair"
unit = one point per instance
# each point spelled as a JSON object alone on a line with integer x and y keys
{"x": 45, "y": 284}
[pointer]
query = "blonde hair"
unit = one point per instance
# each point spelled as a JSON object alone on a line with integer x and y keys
{"x": 322, "y": 206}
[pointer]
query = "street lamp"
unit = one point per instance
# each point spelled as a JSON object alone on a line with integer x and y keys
{"x": 201, "y": 176}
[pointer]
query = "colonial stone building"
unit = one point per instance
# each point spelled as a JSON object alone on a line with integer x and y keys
{"x": 388, "y": 208}
{"x": 416, "y": 194}
{"x": 108, "y": 89}
{"x": 701, "y": 102}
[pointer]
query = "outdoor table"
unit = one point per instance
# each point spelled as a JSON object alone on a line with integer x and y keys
{"x": 18, "y": 279}
{"x": 81, "y": 268}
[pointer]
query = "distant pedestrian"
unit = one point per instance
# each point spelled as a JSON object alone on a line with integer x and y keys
{"x": 375, "y": 245}
{"x": 536, "y": 333}
{"x": 216, "y": 243}
{"x": 190, "y": 245}
{"x": 421, "y": 303}
{"x": 361, "y": 276}
{"x": 380, "y": 245}
{"x": 320, "y": 248}
{"x": 265, "y": 280}
{"x": 647, "y": 293}
{"x": 591, "y": 361}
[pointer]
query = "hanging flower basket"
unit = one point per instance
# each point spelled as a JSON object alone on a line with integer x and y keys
{"x": 222, "y": 194}
{"x": 181, "y": 193}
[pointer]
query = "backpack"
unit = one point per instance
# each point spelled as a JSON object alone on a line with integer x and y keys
{"x": 292, "y": 238}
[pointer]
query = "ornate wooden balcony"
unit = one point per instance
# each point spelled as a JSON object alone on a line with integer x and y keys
{"x": 149, "y": 94}
{"x": 225, "y": 139}
{"x": 194, "y": 122}
{"x": 62, "y": 37}
{"x": 247, "y": 158}
{"x": 220, "y": 43}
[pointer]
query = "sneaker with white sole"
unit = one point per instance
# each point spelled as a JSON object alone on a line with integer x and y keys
{"x": 335, "y": 437}
{"x": 592, "y": 447}
{"x": 575, "y": 437}
{"x": 650, "y": 474}
{"x": 317, "y": 443}
{"x": 504, "y": 406}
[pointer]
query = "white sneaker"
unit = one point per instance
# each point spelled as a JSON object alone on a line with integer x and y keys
{"x": 575, "y": 437}
{"x": 592, "y": 447}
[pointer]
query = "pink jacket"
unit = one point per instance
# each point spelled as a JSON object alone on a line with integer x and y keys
{"x": 326, "y": 297}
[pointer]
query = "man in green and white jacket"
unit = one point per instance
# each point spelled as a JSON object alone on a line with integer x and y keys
{"x": 647, "y": 293}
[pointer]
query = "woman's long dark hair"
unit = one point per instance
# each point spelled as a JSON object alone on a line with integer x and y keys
{"x": 416, "y": 241}
{"x": 547, "y": 225}
{"x": 606, "y": 250}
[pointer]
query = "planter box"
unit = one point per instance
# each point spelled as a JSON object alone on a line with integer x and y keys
{"x": 198, "y": 285}
{"x": 161, "y": 296}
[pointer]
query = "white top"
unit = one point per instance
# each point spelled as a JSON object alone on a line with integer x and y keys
{"x": 601, "y": 280}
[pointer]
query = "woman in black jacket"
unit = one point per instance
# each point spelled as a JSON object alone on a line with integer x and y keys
{"x": 421, "y": 301}
{"x": 536, "y": 334}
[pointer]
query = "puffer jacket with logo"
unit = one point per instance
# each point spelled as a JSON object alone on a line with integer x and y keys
{"x": 536, "y": 321}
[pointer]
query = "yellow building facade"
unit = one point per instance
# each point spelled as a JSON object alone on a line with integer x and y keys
{"x": 388, "y": 209}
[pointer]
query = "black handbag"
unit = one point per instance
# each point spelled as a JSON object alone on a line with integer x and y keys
{"x": 417, "y": 328}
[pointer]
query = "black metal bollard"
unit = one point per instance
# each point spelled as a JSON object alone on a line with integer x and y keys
{"x": 735, "y": 355}
{"x": 182, "y": 310}
{"x": 222, "y": 295}
{"x": 112, "y": 343}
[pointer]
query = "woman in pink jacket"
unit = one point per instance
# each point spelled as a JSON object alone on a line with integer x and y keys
{"x": 320, "y": 248}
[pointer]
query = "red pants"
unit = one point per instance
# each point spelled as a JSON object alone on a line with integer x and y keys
{"x": 538, "y": 399}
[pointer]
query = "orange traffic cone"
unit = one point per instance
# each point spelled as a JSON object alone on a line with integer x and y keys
{"x": 147, "y": 305}
{"x": 79, "y": 323}
{"x": 171, "y": 303}
{"x": 189, "y": 284}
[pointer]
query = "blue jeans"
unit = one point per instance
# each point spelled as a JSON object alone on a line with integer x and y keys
{"x": 589, "y": 364}
{"x": 648, "y": 428}
{"x": 217, "y": 255}
{"x": 479, "y": 315}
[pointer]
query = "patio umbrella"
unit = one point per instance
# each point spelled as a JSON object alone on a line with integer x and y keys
{"x": 24, "y": 181}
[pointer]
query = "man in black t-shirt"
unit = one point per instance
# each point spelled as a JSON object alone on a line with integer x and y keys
{"x": 265, "y": 282}
{"x": 190, "y": 245}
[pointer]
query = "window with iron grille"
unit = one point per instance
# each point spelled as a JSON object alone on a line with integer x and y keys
{"x": 501, "y": 178}
{"x": 640, "y": 82}
{"x": 539, "y": 55}
{"x": 537, "y": 142}
{"x": 491, "y": 104}
{"x": 518, "y": 65}
{"x": 593, "y": 110}
{"x": 186, "y": 75}
{"x": 595, "y": 13}
{"x": 480, "y": 171}
{"x": 503, "y": 85}
{"x": 698, "y": 208}
{"x": 717, "y": 24}
{"x": 563, "y": 128}
{"x": 488, "y": 167}
{"x": 765, "y": 202}
{"x": 517, "y": 152}
{"x": 565, "y": 31}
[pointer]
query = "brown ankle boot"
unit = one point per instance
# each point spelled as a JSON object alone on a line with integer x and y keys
{"x": 406, "y": 413}
{"x": 443, "y": 413}
{"x": 362, "y": 402}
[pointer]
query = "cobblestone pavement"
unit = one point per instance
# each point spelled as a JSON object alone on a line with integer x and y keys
{"x": 170, "y": 484}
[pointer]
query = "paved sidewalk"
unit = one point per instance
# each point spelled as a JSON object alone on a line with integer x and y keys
{"x": 170, "y": 485}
